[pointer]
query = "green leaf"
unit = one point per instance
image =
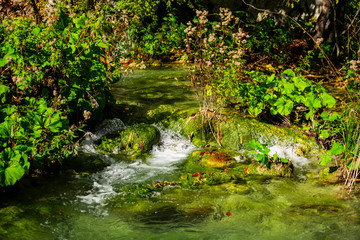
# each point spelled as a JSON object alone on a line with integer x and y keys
{"x": 334, "y": 116}
{"x": 13, "y": 174}
{"x": 325, "y": 159}
{"x": 311, "y": 101}
{"x": 327, "y": 100}
{"x": 324, "y": 134}
{"x": 324, "y": 116}
{"x": 300, "y": 83}
{"x": 284, "y": 107}
{"x": 80, "y": 22}
{"x": 337, "y": 148}
{"x": 289, "y": 72}
{"x": 288, "y": 87}
{"x": 36, "y": 31}
{"x": 9, "y": 52}
{"x": 4, "y": 90}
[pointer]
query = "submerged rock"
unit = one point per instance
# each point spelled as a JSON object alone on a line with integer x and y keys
{"x": 133, "y": 141}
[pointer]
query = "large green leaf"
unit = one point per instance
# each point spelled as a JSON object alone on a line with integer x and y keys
{"x": 289, "y": 72}
{"x": 311, "y": 101}
{"x": 325, "y": 159}
{"x": 300, "y": 83}
{"x": 284, "y": 106}
{"x": 13, "y": 174}
{"x": 3, "y": 92}
{"x": 327, "y": 100}
{"x": 337, "y": 148}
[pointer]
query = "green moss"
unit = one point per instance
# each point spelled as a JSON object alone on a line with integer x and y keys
{"x": 327, "y": 175}
{"x": 134, "y": 141}
{"x": 275, "y": 169}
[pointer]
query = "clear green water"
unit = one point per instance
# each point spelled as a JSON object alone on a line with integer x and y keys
{"x": 102, "y": 205}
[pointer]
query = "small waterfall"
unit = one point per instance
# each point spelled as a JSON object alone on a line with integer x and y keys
{"x": 300, "y": 163}
{"x": 172, "y": 149}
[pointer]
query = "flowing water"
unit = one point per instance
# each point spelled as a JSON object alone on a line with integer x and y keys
{"x": 103, "y": 196}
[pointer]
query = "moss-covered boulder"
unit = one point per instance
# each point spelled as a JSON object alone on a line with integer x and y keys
{"x": 233, "y": 131}
{"x": 134, "y": 140}
{"x": 327, "y": 175}
{"x": 279, "y": 169}
{"x": 207, "y": 160}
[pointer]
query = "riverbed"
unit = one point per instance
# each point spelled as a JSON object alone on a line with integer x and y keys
{"x": 100, "y": 196}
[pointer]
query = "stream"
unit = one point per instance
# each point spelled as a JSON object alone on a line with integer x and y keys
{"x": 98, "y": 196}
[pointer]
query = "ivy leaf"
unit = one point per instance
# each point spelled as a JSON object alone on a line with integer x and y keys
{"x": 324, "y": 116}
{"x": 3, "y": 92}
{"x": 80, "y": 22}
{"x": 9, "y": 52}
{"x": 324, "y": 134}
{"x": 288, "y": 87}
{"x": 311, "y": 101}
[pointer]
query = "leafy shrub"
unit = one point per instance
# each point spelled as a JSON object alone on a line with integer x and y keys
{"x": 55, "y": 76}
{"x": 216, "y": 48}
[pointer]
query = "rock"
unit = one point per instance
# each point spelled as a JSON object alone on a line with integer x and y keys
{"x": 276, "y": 169}
{"x": 207, "y": 160}
{"x": 235, "y": 131}
{"x": 9, "y": 214}
{"x": 327, "y": 175}
{"x": 133, "y": 140}
{"x": 219, "y": 160}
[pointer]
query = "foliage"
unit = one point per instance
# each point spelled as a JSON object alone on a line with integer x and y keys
{"x": 262, "y": 153}
{"x": 55, "y": 76}
{"x": 282, "y": 94}
{"x": 154, "y": 28}
{"x": 269, "y": 39}
{"x": 213, "y": 47}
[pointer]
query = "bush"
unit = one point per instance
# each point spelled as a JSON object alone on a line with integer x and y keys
{"x": 55, "y": 76}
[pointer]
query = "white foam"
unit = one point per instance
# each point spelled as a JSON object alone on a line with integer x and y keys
{"x": 172, "y": 149}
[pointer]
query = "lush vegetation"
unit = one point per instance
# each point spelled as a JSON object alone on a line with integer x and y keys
{"x": 58, "y": 61}
{"x": 55, "y": 76}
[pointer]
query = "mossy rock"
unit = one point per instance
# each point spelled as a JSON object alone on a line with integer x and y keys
{"x": 9, "y": 214}
{"x": 198, "y": 131}
{"x": 274, "y": 170}
{"x": 207, "y": 160}
{"x": 327, "y": 175}
{"x": 235, "y": 131}
{"x": 134, "y": 140}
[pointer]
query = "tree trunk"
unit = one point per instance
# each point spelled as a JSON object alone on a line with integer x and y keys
{"x": 324, "y": 21}
{"x": 36, "y": 12}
